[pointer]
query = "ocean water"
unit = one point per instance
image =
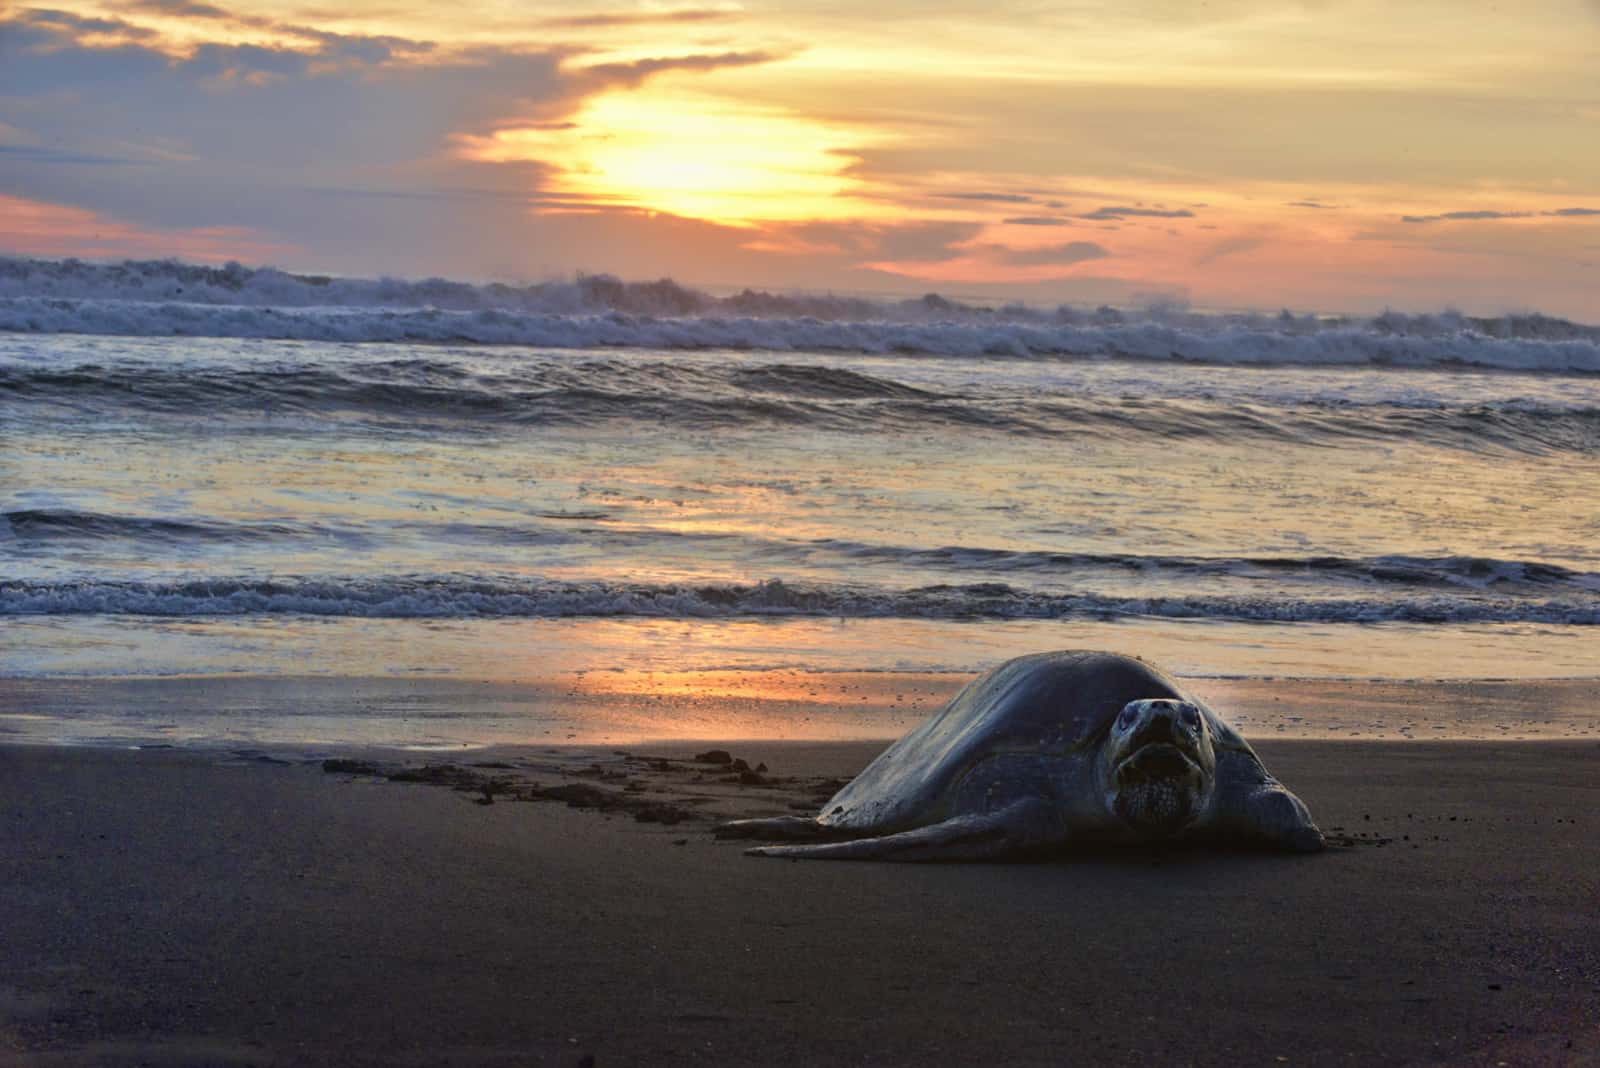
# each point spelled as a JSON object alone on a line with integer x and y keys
{"x": 206, "y": 475}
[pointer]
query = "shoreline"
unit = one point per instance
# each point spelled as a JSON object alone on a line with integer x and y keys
{"x": 638, "y": 708}
{"x": 169, "y": 907}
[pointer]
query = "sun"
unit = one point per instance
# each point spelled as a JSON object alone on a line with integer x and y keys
{"x": 694, "y": 155}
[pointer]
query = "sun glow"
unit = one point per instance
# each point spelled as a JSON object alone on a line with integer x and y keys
{"x": 693, "y": 155}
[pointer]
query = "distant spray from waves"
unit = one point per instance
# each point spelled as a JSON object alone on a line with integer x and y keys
{"x": 165, "y": 298}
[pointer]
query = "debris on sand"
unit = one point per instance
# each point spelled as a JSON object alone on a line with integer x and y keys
{"x": 438, "y": 775}
{"x": 351, "y": 767}
{"x": 582, "y": 795}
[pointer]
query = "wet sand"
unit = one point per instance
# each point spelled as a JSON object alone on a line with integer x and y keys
{"x": 624, "y": 707}
{"x": 181, "y": 907}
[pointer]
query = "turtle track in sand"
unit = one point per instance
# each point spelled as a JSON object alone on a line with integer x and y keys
{"x": 668, "y": 790}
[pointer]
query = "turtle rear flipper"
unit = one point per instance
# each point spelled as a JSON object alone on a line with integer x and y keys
{"x": 785, "y": 828}
{"x": 1025, "y": 825}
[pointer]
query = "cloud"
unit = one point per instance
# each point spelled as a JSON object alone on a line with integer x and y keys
{"x": 1228, "y": 246}
{"x": 1037, "y": 220}
{"x": 924, "y": 241}
{"x": 917, "y": 242}
{"x": 1108, "y": 213}
{"x": 37, "y": 154}
{"x": 69, "y": 26}
{"x": 244, "y": 62}
{"x": 1480, "y": 216}
{"x": 1451, "y": 216}
{"x": 339, "y": 104}
{"x": 50, "y": 50}
{"x": 637, "y": 18}
{"x": 1309, "y": 204}
{"x": 993, "y": 198}
{"x": 1046, "y": 255}
{"x": 636, "y": 71}
{"x": 366, "y": 47}
{"x": 339, "y": 144}
{"x": 182, "y": 8}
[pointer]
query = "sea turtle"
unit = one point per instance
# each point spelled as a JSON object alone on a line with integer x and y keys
{"x": 1046, "y": 751}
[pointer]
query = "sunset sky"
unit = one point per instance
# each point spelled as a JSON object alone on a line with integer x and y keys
{"x": 1340, "y": 155}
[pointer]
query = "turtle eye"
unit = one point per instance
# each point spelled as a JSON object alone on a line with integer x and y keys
{"x": 1130, "y": 712}
{"x": 1191, "y": 715}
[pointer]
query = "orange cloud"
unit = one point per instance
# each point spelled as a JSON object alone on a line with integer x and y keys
{"x": 36, "y": 228}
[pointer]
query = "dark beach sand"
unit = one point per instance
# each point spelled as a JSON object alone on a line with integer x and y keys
{"x": 173, "y": 907}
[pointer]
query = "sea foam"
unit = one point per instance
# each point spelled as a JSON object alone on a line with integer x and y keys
{"x": 164, "y": 298}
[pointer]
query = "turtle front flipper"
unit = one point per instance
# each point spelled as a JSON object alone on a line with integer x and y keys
{"x": 789, "y": 828}
{"x": 1026, "y": 825}
{"x": 1270, "y": 815}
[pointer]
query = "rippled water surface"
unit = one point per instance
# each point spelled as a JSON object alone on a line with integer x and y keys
{"x": 182, "y": 506}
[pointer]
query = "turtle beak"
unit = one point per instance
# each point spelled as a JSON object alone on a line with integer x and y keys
{"x": 1155, "y": 762}
{"x": 1162, "y": 725}
{"x": 1160, "y": 728}
{"x": 1160, "y": 748}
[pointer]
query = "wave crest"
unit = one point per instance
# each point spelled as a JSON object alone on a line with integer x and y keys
{"x": 588, "y": 392}
{"x": 466, "y": 597}
{"x": 165, "y": 298}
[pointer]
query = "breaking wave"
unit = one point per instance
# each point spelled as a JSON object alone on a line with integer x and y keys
{"x": 476, "y": 598}
{"x": 164, "y": 298}
{"x": 1400, "y": 570}
{"x": 564, "y": 392}
{"x": 1454, "y": 574}
{"x": 60, "y": 524}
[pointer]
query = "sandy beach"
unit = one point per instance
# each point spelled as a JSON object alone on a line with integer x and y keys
{"x": 176, "y": 906}
{"x": 455, "y": 458}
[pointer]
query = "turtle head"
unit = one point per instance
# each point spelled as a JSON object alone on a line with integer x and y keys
{"x": 1158, "y": 766}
